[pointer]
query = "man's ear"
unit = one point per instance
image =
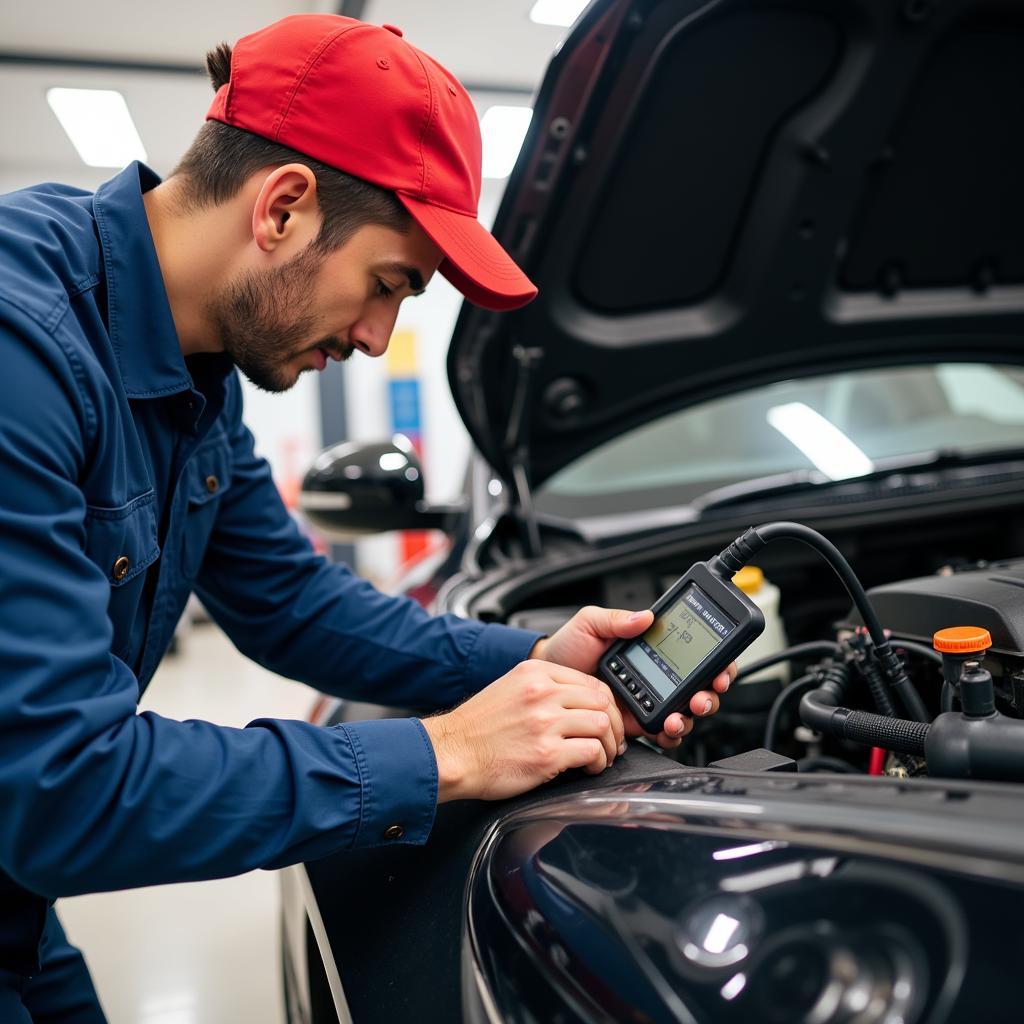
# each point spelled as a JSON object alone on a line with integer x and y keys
{"x": 286, "y": 208}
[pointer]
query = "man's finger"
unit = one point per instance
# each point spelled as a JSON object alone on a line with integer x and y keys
{"x": 586, "y": 698}
{"x": 675, "y": 724}
{"x": 570, "y": 676}
{"x": 704, "y": 703}
{"x": 615, "y": 623}
{"x": 670, "y": 738}
{"x": 588, "y": 754}
{"x": 591, "y": 724}
{"x": 721, "y": 683}
{"x": 618, "y": 724}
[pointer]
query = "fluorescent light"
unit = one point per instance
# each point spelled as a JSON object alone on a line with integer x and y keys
{"x": 820, "y": 440}
{"x": 98, "y": 124}
{"x": 746, "y": 851}
{"x": 557, "y": 12}
{"x": 503, "y": 130}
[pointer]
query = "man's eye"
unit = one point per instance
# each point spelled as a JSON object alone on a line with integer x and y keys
{"x": 383, "y": 290}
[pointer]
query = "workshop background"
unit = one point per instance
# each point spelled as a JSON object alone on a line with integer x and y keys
{"x": 209, "y": 952}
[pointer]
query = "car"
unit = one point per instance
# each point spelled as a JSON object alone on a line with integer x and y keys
{"x": 780, "y": 261}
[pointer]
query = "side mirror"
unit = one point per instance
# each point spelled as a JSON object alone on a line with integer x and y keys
{"x": 354, "y": 489}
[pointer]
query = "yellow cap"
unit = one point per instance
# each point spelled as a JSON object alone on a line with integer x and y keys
{"x": 749, "y": 579}
{"x": 962, "y": 640}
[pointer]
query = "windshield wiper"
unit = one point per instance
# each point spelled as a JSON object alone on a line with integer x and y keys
{"x": 760, "y": 487}
{"x": 798, "y": 480}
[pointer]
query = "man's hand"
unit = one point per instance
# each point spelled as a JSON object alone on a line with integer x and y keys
{"x": 580, "y": 643}
{"x": 534, "y": 722}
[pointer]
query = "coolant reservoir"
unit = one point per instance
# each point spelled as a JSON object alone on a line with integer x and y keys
{"x": 750, "y": 579}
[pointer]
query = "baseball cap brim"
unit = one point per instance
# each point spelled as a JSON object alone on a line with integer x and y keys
{"x": 474, "y": 261}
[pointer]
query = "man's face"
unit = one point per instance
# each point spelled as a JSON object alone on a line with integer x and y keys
{"x": 276, "y": 323}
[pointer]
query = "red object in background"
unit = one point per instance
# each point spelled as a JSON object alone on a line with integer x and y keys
{"x": 415, "y": 543}
{"x": 876, "y": 766}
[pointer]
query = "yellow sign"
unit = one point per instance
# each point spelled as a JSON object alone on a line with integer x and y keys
{"x": 401, "y": 354}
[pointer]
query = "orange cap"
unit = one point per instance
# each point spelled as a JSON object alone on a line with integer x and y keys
{"x": 962, "y": 640}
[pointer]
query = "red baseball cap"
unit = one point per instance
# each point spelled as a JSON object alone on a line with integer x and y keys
{"x": 360, "y": 98}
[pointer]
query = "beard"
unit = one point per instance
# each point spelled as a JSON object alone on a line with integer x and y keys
{"x": 263, "y": 319}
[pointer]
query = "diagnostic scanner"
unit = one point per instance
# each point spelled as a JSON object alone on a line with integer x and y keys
{"x": 701, "y": 623}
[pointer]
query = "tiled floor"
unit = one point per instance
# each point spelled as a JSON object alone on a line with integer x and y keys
{"x": 203, "y": 953}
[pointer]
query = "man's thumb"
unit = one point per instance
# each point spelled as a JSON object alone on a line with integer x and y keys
{"x": 629, "y": 624}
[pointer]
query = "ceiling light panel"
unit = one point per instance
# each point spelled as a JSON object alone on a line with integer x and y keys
{"x": 557, "y": 12}
{"x": 503, "y": 130}
{"x": 98, "y": 124}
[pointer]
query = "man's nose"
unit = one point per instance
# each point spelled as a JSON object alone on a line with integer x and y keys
{"x": 372, "y": 332}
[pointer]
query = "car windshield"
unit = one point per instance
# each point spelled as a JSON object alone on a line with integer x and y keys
{"x": 840, "y": 426}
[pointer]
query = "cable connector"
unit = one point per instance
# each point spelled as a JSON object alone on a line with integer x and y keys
{"x": 738, "y": 554}
{"x": 864, "y": 658}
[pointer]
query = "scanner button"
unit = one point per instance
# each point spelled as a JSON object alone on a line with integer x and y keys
{"x": 624, "y": 676}
{"x": 614, "y": 664}
{"x": 632, "y": 686}
{"x": 646, "y": 703}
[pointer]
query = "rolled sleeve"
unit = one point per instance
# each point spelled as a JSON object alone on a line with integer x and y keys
{"x": 398, "y": 781}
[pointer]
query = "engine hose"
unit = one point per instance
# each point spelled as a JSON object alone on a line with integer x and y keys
{"x": 745, "y": 548}
{"x": 772, "y": 725}
{"x": 819, "y": 711}
{"x": 814, "y": 649}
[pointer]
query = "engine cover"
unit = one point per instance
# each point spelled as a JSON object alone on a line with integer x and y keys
{"x": 991, "y": 597}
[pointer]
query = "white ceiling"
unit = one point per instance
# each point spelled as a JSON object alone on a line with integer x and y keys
{"x": 490, "y": 44}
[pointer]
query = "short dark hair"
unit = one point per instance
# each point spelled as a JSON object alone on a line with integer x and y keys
{"x": 222, "y": 157}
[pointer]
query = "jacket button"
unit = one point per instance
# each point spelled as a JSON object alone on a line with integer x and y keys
{"x": 394, "y": 832}
{"x": 212, "y": 483}
{"x": 121, "y": 567}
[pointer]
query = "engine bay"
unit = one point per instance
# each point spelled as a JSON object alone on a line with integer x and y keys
{"x": 919, "y": 582}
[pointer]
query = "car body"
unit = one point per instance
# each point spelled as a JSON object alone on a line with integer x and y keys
{"x": 780, "y": 262}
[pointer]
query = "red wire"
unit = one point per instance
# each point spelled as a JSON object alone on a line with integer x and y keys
{"x": 876, "y": 766}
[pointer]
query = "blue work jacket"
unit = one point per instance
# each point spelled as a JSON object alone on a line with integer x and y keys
{"x": 127, "y": 481}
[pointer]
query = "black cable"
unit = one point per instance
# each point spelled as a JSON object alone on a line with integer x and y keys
{"x": 772, "y": 724}
{"x": 743, "y": 550}
{"x": 923, "y": 649}
{"x": 814, "y": 649}
{"x": 832, "y": 764}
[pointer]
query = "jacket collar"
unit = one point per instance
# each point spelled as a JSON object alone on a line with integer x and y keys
{"x": 138, "y": 312}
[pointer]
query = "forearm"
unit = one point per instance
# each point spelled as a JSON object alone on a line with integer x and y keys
{"x": 335, "y": 631}
{"x": 149, "y": 801}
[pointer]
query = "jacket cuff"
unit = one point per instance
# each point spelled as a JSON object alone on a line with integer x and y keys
{"x": 498, "y": 649}
{"x": 398, "y": 781}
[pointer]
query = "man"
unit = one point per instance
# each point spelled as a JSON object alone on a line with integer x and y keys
{"x": 339, "y": 169}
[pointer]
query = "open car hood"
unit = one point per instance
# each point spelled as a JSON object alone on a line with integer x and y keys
{"x": 717, "y": 195}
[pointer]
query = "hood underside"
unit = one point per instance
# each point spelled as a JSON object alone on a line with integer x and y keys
{"x": 719, "y": 195}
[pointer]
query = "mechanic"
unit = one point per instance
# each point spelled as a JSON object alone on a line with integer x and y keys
{"x": 338, "y": 169}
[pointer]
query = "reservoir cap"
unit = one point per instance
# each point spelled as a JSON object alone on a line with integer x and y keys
{"x": 962, "y": 640}
{"x": 749, "y": 579}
